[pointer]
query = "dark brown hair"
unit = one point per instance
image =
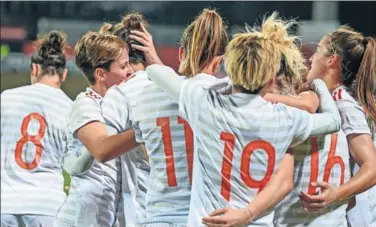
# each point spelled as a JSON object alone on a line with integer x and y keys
{"x": 358, "y": 65}
{"x": 130, "y": 21}
{"x": 50, "y": 53}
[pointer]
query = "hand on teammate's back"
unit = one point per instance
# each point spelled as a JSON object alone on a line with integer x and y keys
{"x": 320, "y": 201}
{"x": 147, "y": 46}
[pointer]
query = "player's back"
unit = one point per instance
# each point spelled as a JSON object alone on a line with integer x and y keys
{"x": 318, "y": 159}
{"x": 241, "y": 139}
{"x": 33, "y": 138}
{"x": 169, "y": 142}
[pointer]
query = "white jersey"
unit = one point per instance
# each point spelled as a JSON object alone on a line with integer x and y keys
{"x": 94, "y": 196}
{"x": 354, "y": 121}
{"x": 33, "y": 138}
{"x": 238, "y": 148}
{"x": 135, "y": 176}
{"x": 116, "y": 111}
{"x": 323, "y": 158}
{"x": 372, "y": 191}
{"x": 168, "y": 140}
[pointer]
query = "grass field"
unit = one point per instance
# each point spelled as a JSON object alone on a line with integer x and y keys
{"x": 67, "y": 181}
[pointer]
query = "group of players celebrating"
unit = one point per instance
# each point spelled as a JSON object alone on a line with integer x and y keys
{"x": 271, "y": 144}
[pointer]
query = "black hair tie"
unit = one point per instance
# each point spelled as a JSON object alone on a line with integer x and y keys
{"x": 365, "y": 41}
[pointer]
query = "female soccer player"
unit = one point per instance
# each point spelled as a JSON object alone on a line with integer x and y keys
{"x": 94, "y": 196}
{"x": 238, "y": 136}
{"x": 167, "y": 137}
{"x": 345, "y": 60}
{"x": 33, "y": 139}
{"x": 135, "y": 165}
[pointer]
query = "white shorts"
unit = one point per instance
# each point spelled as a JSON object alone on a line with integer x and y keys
{"x": 25, "y": 220}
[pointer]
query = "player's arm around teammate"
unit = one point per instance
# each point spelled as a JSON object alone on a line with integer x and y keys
{"x": 263, "y": 202}
{"x": 345, "y": 60}
{"x": 160, "y": 75}
{"x": 94, "y": 134}
{"x": 282, "y": 181}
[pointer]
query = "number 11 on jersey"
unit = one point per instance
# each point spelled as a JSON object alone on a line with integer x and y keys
{"x": 164, "y": 123}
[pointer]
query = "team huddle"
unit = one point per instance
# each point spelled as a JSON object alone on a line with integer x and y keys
{"x": 271, "y": 144}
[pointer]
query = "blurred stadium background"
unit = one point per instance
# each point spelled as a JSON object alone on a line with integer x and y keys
{"x": 22, "y": 21}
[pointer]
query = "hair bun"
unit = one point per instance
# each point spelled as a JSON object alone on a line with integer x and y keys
{"x": 52, "y": 44}
{"x": 106, "y": 28}
{"x": 276, "y": 29}
{"x": 133, "y": 21}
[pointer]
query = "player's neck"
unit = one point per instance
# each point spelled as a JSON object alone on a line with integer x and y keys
{"x": 99, "y": 89}
{"x": 332, "y": 80}
{"x": 262, "y": 92}
{"x": 52, "y": 81}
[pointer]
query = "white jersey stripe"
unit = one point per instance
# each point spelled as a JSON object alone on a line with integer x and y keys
{"x": 33, "y": 139}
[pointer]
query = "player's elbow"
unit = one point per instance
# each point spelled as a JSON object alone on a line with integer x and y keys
{"x": 102, "y": 155}
{"x": 308, "y": 107}
{"x": 335, "y": 124}
{"x": 103, "y": 158}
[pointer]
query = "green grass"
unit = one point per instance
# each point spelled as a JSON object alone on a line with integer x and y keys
{"x": 67, "y": 181}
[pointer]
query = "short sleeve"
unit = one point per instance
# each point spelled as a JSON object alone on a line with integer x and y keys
{"x": 191, "y": 100}
{"x": 84, "y": 111}
{"x": 353, "y": 118}
{"x": 138, "y": 133}
{"x": 116, "y": 110}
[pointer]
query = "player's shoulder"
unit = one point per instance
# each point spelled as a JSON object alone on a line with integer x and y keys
{"x": 139, "y": 77}
{"x": 135, "y": 83}
{"x": 15, "y": 91}
{"x": 344, "y": 99}
{"x": 88, "y": 97}
{"x": 203, "y": 79}
{"x": 343, "y": 94}
{"x": 285, "y": 112}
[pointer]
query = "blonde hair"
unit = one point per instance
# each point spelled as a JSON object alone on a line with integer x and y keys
{"x": 254, "y": 57}
{"x": 96, "y": 50}
{"x": 106, "y": 28}
{"x": 204, "y": 39}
